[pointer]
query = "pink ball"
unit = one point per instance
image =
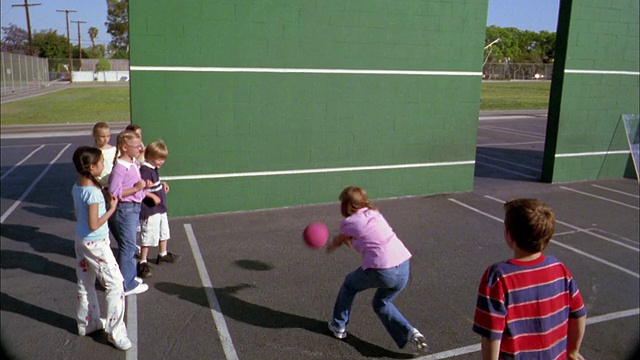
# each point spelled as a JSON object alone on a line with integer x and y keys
{"x": 315, "y": 235}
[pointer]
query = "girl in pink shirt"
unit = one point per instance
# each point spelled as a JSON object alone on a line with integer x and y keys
{"x": 385, "y": 267}
{"x": 128, "y": 187}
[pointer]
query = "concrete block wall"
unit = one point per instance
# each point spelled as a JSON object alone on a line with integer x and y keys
{"x": 595, "y": 81}
{"x": 279, "y": 103}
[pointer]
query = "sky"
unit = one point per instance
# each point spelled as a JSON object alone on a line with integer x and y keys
{"x": 534, "y": 15}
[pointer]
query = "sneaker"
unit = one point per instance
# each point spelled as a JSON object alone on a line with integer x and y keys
{"x": 418, "y": 343}
{"x": 92, "y": 327}
{"x": 338, "y": 333}
{"x": 138, "y": 280}
{"x": 169, "y": 258}
{"x": 122, "y": 343}
{"x": 144, "y": 270}
{"x": 137, "y": 290}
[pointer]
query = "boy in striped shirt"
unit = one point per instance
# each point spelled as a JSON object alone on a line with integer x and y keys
{"x": 529, "y": 307}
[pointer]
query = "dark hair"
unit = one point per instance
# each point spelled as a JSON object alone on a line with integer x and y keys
{"x": 83, "y": 158}
{"x": 352, "y": 199}
{"x": 530, "y": 222}
{"x": 133, "y": 127}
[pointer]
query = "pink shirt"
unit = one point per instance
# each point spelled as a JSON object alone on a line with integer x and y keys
{"x": 374, "y": 239}
{"x": 125, "y": 175}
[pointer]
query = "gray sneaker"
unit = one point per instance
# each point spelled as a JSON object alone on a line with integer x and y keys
{"x": 418, "y": 343}
{"x": 337, "y": 332}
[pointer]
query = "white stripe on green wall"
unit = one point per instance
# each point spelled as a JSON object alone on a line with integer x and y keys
{"x": 601, "y": 72}
{"x": 316, "y": 171}
{"x": 303, "y": 71}
{"x": 595, "y": 153}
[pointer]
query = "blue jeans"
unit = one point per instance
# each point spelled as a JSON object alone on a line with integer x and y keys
{"x": 124, "y": 224}
{"x": 389, "y": 283}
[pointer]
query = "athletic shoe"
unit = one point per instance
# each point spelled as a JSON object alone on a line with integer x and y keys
{"x": 169, "y": 258}
{"x": 418, "y": 343}
{"x": 337, "y": 332}
{"x": 138, "y": 280}
{"x": 137, "y": 290}
{"x": 144, "y": 270}
{"x": 92, "y": 327}
{"x": 122, "y": 343}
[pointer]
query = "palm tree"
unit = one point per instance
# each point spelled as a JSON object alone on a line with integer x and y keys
{"x": 93, "y": 34}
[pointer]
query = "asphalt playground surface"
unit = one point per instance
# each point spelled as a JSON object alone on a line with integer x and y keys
{"x": 248, "y": 288}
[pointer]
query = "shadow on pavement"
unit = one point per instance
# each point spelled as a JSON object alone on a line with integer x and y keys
{"x": 262, "y": 316}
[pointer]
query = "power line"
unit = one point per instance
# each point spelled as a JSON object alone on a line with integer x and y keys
{"x": 26, "y": 9}
{"x": 68, "y": 44}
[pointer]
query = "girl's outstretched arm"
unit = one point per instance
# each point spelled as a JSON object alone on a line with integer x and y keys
{"x": 338, "y": 241}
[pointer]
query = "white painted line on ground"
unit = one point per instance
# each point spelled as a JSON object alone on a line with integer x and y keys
{"x": 214, "y": 305}
{"x": 21, "y": 161}
{"x": 301, "y": 71}
{"x": 315, "y": 171}
{"x": 44, "y": 135}
{"x": 33, "y": 184}
{"x": 507, "y": 170}
{"x": 595, "y": 258}
{"x": 581, "y": 230}
{"x": 132, "y": 326}
{"x": 512, "y": 144}
{"x": 613, "y": 316}
{"x": 28, "y": 145}
{"x": 509, "y": 162}
{"x": 509, "y": 132}
{"x": 616, "y": 191}
{"x": 514, "y": 117}
{"x": 476, "y": 347}
{"x": 599, "y": 197}
{"x": 512, "y": 131}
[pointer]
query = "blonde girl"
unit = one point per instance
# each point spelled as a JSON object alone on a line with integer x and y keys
{"x": 94, "y": 258}
{"x": 128, "y": 187}
{"x": 101, "y": 137}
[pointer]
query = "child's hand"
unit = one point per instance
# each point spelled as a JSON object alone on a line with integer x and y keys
{"x": 140, "y": 185}
{"x": 166, "y": 187}
{"x": 574, "y": 356}
{"x": 113, "y": 202}
{"x": 148, "y": 184}
{"x": 338, "y": 241}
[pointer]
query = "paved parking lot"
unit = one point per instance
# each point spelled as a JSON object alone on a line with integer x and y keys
{"x": 248, "y": 288}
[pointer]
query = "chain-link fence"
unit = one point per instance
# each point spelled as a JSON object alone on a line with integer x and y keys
{"x": 512, "y": 71}
{"x": 84, "y": 70}
{"x": 22, "y": 73}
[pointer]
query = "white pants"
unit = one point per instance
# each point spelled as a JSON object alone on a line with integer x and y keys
{"x": 94, "y": 259}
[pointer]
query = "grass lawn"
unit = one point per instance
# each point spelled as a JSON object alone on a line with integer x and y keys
{"x": 80, "y": 105}
{"x": 111, "y": 104}
{"x": 515, "y": 95}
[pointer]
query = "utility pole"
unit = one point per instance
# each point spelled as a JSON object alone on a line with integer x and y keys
{"x": 68, "y": 45}
{"x": 26, "y": 9}
{"x": 79, "y": 42}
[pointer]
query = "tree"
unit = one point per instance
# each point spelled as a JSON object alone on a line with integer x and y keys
{"x": 518, "y": 46}
{"x": 103, "y": 66}
{"x": 15, "y": 39}
{"x": 118, "y": 25}
{"x": 50, "y": 44}
{"x": 93, "y": 34}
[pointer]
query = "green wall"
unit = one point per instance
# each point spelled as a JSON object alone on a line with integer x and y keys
{"x": 595, "y": 81}
{"x": 214, "y": 80}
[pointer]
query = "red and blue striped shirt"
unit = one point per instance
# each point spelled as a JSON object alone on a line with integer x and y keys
{"x": 527, "y": 305}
